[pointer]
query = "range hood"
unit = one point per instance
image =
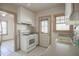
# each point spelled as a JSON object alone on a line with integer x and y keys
{"x": 71, "y": 16}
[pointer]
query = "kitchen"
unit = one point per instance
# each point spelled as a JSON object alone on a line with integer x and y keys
{"x": 36, "y": 29}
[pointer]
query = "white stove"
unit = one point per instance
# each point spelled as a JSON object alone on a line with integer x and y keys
{"x": 28, "y": 41}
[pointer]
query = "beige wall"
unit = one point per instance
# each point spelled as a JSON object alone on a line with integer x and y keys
{"x": 51, "y": 12}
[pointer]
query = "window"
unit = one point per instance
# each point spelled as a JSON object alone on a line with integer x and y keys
{"x": 3, "y": 27}
{"x": 44, "y": 26}
{"x": 60, "y": 24}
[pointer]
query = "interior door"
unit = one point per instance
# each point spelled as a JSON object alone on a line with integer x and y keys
{"x": 44, "y": 31}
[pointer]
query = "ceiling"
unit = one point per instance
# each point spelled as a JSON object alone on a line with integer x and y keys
{"x": 36, "y": 7}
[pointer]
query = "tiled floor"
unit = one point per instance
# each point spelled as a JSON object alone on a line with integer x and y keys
{"x": 38, "y": 51}
{"x": 59, "y": 49}
{"x": 7, "y": 49}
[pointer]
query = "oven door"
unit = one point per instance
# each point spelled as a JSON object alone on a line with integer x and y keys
{"x": 31, "y": 41}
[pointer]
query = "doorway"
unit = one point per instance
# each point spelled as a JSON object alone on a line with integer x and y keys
{"x": 7, "y": 33}
{"x": 44, "y": 31}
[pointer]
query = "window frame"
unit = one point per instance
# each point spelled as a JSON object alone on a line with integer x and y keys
{"x": 54, "y": 25}
{"x": 41, "y": 25}
{"x": 42, "y": 18}
{"x": 6, "y": 27}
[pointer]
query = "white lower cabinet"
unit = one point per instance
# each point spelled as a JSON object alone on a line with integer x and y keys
{"x": 23, "y": 41}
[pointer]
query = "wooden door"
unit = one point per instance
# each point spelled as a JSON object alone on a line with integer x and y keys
{"x": 44, "y": 31}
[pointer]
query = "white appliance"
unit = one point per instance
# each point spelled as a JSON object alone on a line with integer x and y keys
{"x": 28, "y": 41}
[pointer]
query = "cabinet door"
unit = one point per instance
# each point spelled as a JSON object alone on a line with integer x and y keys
{"x": 23, "y": 43}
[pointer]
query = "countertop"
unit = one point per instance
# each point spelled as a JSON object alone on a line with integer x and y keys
{"x": 30, "y": 33}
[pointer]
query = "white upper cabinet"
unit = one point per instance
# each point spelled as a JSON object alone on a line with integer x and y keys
{"x": 68, "y": 10}
{"x": 25, "y": 16}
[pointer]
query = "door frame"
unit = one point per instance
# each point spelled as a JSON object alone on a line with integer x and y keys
{"x": 49, "y": 22}
{"x": 15, "y": 27}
